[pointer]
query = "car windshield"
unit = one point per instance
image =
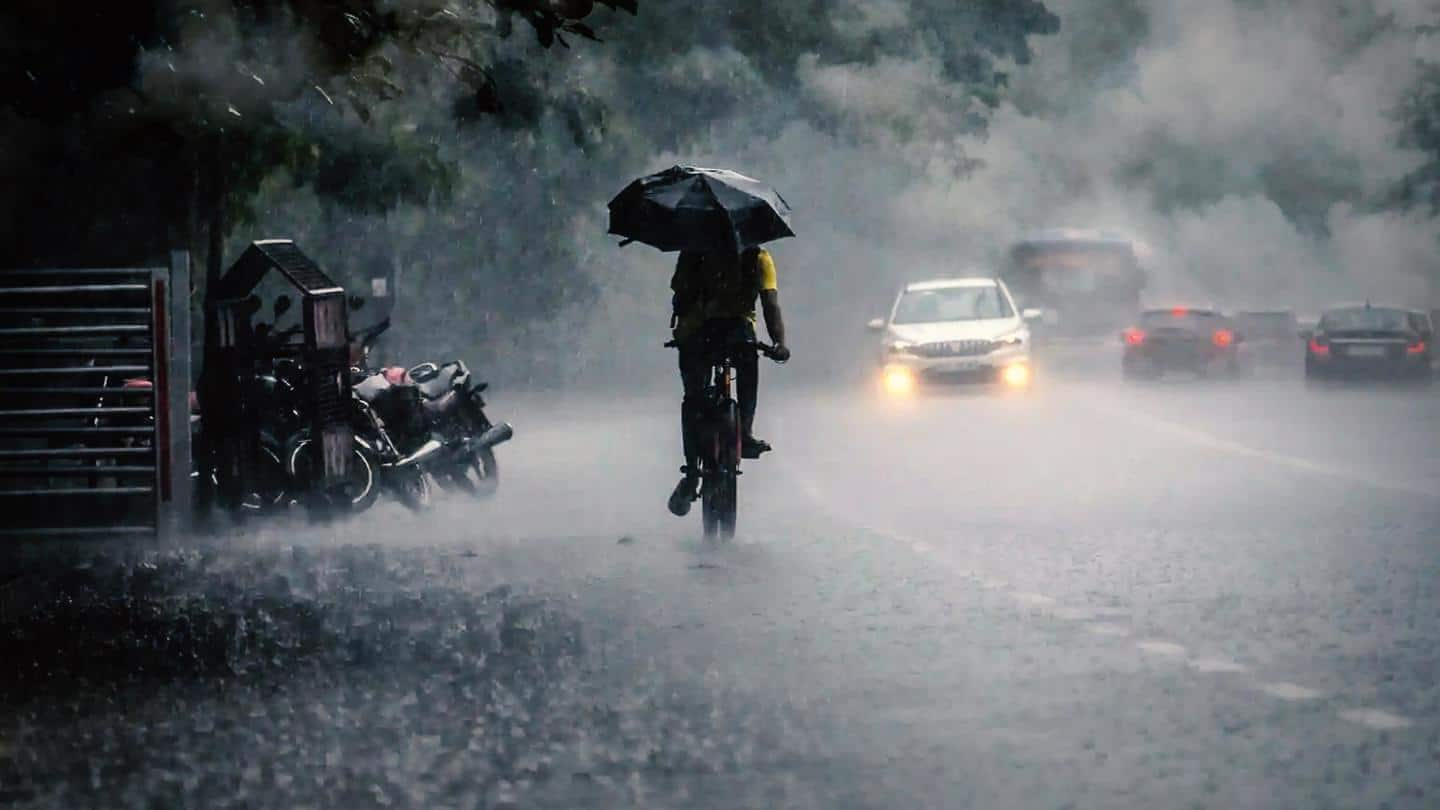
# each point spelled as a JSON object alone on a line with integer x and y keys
{"x": 1366, "y": 318}
{"x": 952, "y": 304}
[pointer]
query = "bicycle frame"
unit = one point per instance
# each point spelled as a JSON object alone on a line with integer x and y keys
{"x": 720, "y": 449}
{"x": 719, "y": 437}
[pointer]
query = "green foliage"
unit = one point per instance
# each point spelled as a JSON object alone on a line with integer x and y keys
{"x": 1419, "y": 115}
{"x": 437, "y": 139}
{"x": 190, "y": 103}
{"x": 515, "y": 260}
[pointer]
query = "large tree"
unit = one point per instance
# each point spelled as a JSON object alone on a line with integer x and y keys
{"x": 130, "y": 128}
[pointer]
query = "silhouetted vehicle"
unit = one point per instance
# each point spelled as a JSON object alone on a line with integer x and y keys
{"x": 1272, "y": 338}
{"x": 1198, "y": 341}
{"x": 1087, "y": 283}
{"x": 1368, "y": 342}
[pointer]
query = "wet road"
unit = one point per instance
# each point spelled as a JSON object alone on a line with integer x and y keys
{"x": 1095, "y": 596}
{"x": 1173, "y": 595}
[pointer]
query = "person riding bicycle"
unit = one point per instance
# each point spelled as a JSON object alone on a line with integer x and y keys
{"x": 714, "y": 302}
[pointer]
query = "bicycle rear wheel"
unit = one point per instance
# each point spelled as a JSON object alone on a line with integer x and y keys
{"x": 720, "y": 495}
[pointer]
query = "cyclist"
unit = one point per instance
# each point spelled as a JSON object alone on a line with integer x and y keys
{"x": 714, "y": 302}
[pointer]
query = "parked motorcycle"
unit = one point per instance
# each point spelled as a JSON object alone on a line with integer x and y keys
{"x": 387, "y": 453}
{"x": 279, "y": 421}
{"x": 454, "y": 408}
{"x": 412, "y": 425}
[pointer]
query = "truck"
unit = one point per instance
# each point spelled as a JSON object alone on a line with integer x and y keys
{"x": 1087, "y": 283}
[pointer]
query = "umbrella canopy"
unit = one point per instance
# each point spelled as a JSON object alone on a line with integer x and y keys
{"x": 690, "y": 208}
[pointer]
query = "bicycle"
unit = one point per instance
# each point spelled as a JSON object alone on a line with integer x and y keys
{"x": 719, "y": 435}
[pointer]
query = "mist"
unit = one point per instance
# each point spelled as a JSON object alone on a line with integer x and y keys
{"x": 1184, "y": 567}
{"x": 1251, "y": 147}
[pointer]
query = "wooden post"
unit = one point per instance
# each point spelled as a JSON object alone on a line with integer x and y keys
{"x": 178, "y": 517}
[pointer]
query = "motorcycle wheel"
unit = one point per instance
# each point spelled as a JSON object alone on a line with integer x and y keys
{"x": 361, "y": 489}
{"x": 483, "y": 473}
{"x": 271, "y": 491}
{"x": 411, "y": 488}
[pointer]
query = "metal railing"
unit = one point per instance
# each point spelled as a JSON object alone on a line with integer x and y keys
{"x": 95, "y": 417}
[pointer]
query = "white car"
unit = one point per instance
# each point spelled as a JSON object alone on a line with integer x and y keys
{"x": 961, "y": 330}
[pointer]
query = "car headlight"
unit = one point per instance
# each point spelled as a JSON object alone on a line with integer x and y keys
{"x": 1016, "y": 375}
{"x": 898, "y": 346}
{"x": 898, "y": 381}
{"x": 1012, "y": 339}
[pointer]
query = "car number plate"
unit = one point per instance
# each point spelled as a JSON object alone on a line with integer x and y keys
{"x": 1366, "y": 351}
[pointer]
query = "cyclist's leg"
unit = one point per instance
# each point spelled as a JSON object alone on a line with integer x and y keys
{"x": 692, "y": 379}
{"x": 747, "y": 394}
{"x": 693, "y": 370}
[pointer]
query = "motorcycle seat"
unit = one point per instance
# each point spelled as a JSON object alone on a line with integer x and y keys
{"x": 436, "y": 387}
{"x": 439, "y": 407}
{"x": 372, "y": 387}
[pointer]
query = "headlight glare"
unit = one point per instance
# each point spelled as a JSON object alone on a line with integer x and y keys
{"x": 898, "y": 381}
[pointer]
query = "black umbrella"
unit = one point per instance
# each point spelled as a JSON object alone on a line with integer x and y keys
{"x": 689, "y": 208}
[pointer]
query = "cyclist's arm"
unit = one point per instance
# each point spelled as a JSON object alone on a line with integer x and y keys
{"x": 774, "y": 321}
{"x": 770, "y": 297}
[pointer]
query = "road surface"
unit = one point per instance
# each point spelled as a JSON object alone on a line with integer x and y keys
{"x": 1183, "y": 594}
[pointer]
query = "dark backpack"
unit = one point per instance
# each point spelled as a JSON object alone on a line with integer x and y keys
{"x": 697, "y": 280}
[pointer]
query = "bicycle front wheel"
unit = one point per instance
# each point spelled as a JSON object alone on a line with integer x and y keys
{"x": 720, "y": 496}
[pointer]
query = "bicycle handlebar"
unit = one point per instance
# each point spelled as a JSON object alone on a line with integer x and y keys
{"x": 764, "y": 348}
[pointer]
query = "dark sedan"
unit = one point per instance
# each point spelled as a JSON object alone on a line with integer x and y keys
{"x": 1371, "y": 342}
{"x": 1199, "y": 341}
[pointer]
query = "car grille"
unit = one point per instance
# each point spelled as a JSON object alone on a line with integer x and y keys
{"x": 954, "y": 348}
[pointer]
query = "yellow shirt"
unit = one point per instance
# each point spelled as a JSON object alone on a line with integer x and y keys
{"x": 710, "y": 286}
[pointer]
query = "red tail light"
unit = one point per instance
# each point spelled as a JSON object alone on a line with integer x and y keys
{"x": 1223, "y": 337}
{"x": 1319, "y": 349}
{"x": 1132, "y": 337}
{"x": 1418, "y": 347}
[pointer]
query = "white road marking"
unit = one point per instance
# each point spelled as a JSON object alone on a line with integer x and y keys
{"x": 1213, "y": 442}
{"x": 1378, "y": 719}
{"x": 1167, "y": 649}
{"x": 1106, "y": 629}
{"x": 1290, "y": 691}
{"x": 1216, "y": 665}
{"x": 1372, "y": 718}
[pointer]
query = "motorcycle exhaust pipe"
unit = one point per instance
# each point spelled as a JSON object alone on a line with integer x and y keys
{"x": 498, "y": 434}
{"x": 426, "y": 450}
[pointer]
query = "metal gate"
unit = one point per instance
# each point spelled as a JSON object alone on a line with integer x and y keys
{"x": 95, "y": 401}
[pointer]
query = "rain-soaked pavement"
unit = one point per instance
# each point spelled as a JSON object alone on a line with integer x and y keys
{"x": 1174, "y": 595}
